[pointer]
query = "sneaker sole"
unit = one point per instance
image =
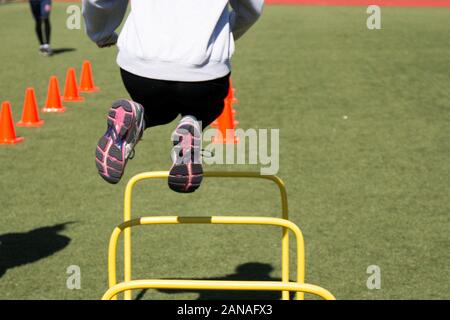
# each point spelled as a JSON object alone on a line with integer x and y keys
{"x": 110, "y": 153}
{"x": 186, "y": 177}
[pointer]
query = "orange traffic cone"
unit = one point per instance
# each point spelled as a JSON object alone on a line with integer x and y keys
{"x": 87, "y": 81}
{"x": 53, "y": 103}
{"x": 230, "y": 99}
{"x": 7, "y": 130}
{"x": 232, "y": 93}
{"x": 226, "y": 123}
{"x": 233, "y": 100}
{"x": 71, "y": 93}
{"x": 226, "y": 126}
{"x": 30, "y": 113}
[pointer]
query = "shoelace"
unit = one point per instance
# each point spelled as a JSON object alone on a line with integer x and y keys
{"x": 204, "y": 152}
{"x": 132, "y": 154}
{"x": 133, "y": 151}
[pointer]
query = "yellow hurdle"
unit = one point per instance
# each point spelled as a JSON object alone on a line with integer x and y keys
{"x": 285, "y": 285}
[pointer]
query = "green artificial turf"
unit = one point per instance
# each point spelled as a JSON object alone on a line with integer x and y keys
{"x": 364, "y": 151}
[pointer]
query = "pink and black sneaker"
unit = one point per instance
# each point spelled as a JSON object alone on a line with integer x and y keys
{"x": 125, "y": 129}
{"x": 186, "y": 173}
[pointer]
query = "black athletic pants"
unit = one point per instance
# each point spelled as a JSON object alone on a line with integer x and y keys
{"x": 164, "y": 101}
{"x": 41, "y": 13}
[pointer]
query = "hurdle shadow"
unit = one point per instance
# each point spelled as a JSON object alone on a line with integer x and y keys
{"x": 57, "y": 51}
{"x": 18, "y": 249}
{"x": 252, "y": 271}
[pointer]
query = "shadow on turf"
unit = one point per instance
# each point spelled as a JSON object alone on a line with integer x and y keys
{"x": 62, "y": 50}
{"x": 17, "y": 249}
{"x": 252, "y": 271}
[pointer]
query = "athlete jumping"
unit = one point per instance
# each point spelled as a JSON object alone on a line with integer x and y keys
{"x": 174, "y": 58}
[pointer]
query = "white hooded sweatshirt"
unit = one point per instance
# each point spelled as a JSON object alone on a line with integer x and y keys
{"x": 179, "y": 40}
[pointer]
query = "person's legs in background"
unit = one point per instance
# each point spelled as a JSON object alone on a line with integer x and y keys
{"x": 41, "y": 13}
{"x": 36, "y": 11}
{"x": 46, "y": 8}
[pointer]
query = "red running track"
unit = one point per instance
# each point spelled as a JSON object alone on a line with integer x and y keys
{"x": 393, "y": 3}
{"x": 390, "y": 3}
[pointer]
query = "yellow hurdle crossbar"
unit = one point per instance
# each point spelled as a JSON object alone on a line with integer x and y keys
{"x": 217, "y": 285}
{"x": 211, "y": 174}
